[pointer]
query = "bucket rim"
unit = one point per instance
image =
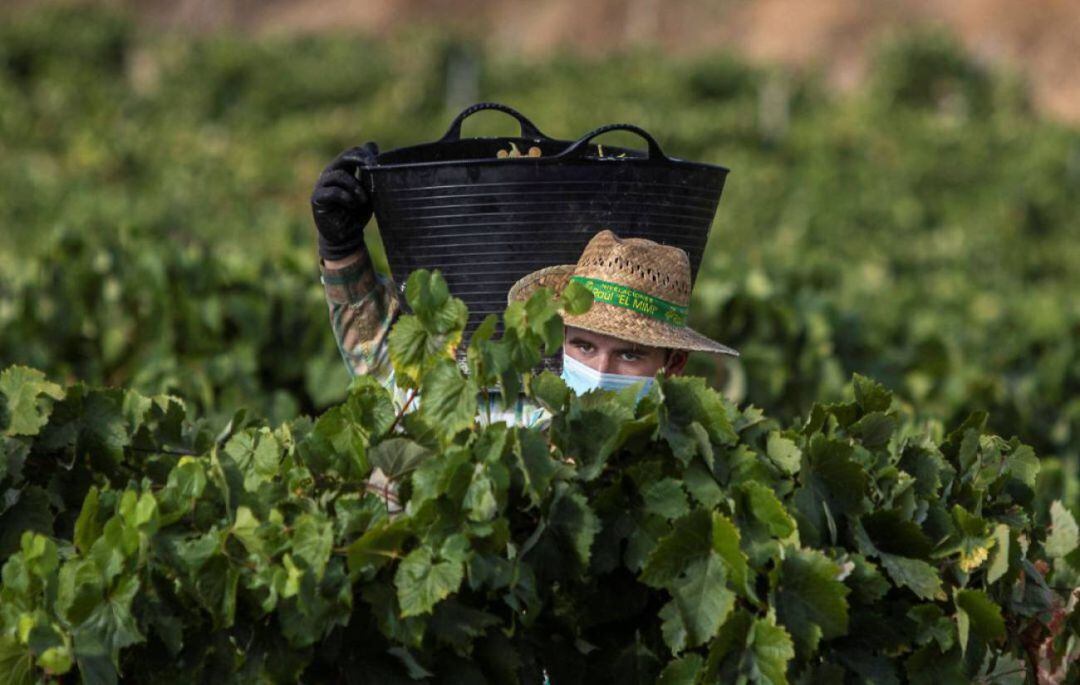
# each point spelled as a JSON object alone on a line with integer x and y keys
{"x": 553, "y": 160}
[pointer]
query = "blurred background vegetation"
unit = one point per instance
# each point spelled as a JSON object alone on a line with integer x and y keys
{"x": 922, "y": 228}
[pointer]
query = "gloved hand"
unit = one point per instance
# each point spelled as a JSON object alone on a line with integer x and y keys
{"x": 340, "y": 205}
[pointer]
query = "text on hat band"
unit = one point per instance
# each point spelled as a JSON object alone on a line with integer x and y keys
{"x": 634, "y": 300}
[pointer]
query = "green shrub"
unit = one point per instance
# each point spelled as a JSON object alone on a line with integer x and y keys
{"x": 679, "y": 539}
{"x": 878, "y": 233}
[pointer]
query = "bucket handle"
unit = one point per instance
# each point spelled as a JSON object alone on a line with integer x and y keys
{"x": 528, "y": 128}
{"x": 578, "y": 147}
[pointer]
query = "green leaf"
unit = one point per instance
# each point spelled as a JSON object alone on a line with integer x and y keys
{"x": 784, "y": 453}
{"x": 80, "y": 587}
{"x": 576, "y": 299}
{"x": 1000, "y": 554}
{"x": 550, "y": 390}
{"x": 574, "y": 523}
{"x": 480, "y": 501}
{"x": 689, "y": 540}
{"x": 927, "y": 466}
{"x": 703, "y": 486}
{"x": 933, "y": 626}
{"x": 930, "y": 666}
{"x": 770, "y": 649}
{"x": 86, "y": 526}
{"x": 701, "y": 602}
{"x": 216, "y": 583}
{"x": 874, "y": 429}
{"x": 893, "y": 533}
{"x": 429, "y": 297}
{"x": 398, "y": 456}
{"x": 867, "y": 583}
{"x": 39, "y": 553}
{"x": 342, "y": 434}
{"x": 449, "y": 399}
{"x": 666, "y": 498}
{"x": 188, "y": 478}
{"x": 592, "y": 430}
{"x": 459, "y": 625}
{"x": 1010, "y": 669}
{"x": 1023, "y": 464}
{"x": 811, "y": 602}
{"x": 16, "y": 662}
{"x": 977, "y": 610}
{"x": 725, "y": 542}
{"x": 534, "y": 460}
{"x": 382, "y": 543}
{"x": 692, "y": 416}
{"x": 1064, "y": 536}
{"x": 413, "y": 349}
{"x": 422, "y": 582}
{"x": 683, "y": 671}
{"x": 312, "y": 542}
{"x": 92, "y": 423}
{"x": 140, "y": 512}
{"x": 28, "y": 399}
{"x": 111, "y": 623}
{"x": 257, "y": 454}
{"x": 915, "y": 574}
{"x": 55, "y": 660}
{"x": 749, "y": 650}
{"x": 833, "y": 484}
{"x": 763, "y": 505}
{"x": 870, "y": 395}
{"x": 971, "y": 538}
{"x": 546, "y": 325}
{"x": 431, "y": 334}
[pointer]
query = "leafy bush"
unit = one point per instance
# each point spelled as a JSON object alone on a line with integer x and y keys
{"x": 885, "y": 233}
{"x": 204, "y": 324}
{"x": 679, "y": 539}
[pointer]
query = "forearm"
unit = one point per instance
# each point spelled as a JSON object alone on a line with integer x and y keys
{"x": 363, "y": 306}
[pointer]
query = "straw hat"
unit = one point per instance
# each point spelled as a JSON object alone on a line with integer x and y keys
{"x": 641, "y": 292}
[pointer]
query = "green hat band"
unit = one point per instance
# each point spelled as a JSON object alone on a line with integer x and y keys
{"x": 634, "y": 300}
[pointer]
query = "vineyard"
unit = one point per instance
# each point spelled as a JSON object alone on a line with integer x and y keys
{"x": 786, "y": 519}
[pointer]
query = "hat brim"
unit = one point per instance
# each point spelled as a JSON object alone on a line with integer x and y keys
{"x": 617, "y": 322}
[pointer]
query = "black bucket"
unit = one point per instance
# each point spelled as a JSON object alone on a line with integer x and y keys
{"x": 485, "y": 222}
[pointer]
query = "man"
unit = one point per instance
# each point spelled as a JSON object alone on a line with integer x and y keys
{"x": 635, "y": 328}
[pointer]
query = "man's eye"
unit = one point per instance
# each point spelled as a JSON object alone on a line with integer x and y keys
{"x": 630, "y": 356}
{"x": 584, "y": 347}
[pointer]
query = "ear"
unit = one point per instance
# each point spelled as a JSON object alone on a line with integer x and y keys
{"x": 676, "y": 362}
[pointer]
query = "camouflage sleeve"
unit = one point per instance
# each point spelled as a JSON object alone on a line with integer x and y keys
{"x": 363, "y": 306}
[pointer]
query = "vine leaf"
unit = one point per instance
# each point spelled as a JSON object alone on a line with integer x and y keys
{"x": 977, "y": 617}
{"x": 1064, "y": 536}
{"x": 914, "y": 574}
{"x": 28, "y": 399}
{"x": 810, "y": 600}
{"x": 449, "y": 399}
{"x": 422, "y": 582}
{"x": 700, "y": 604}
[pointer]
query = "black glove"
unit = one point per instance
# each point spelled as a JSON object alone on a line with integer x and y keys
{"x": 340, "y": 205}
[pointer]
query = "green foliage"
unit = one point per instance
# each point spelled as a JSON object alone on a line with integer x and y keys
{"x": 157, "y": 236}
{"x": 679, "y": 539}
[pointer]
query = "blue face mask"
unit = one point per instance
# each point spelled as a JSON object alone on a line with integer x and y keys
{"x": 582, "y": 378}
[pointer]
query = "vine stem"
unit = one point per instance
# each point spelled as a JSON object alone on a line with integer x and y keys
{"x": 984, "y": 679}
{"x": 165, "y": 450}
{"x": 404, "y": 408}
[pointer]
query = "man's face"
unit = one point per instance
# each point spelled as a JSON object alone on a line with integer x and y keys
{"x": 610, "y": 355}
